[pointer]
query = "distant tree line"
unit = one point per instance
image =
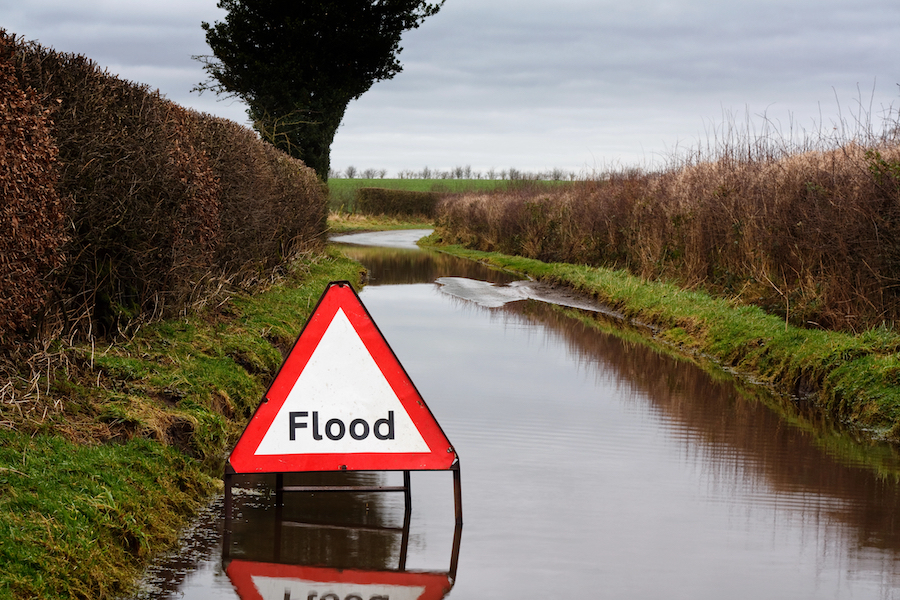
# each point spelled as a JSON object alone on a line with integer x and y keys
{"x": 460, "y": 172}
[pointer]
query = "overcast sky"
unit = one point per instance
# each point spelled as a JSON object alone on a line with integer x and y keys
{"x": 581, "y": 85}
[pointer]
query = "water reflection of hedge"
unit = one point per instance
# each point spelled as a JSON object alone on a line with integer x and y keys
{"x": 398, "y": 266}
{"x": 748, "y": 438}
{"x": 383, "y": 201}
{"x": 162, "y": 203}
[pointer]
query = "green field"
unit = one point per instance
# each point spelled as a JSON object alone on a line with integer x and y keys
{"x": 342, "y": 192}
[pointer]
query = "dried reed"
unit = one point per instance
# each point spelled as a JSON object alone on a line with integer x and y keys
{"x": 807, "y": 229}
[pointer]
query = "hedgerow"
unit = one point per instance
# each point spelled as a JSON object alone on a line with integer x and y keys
{"x": 137, "y": 208}
{"x": 31, "y": 211}
{"x": 383, "y": 201}
{"x": 813, "y": 235}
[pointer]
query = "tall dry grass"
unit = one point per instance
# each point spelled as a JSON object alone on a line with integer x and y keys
{"x": 810, "y": 231}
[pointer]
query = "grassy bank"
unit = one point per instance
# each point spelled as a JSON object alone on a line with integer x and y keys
{"x": 854, "y": 377}
{"x": 106, "y": 451}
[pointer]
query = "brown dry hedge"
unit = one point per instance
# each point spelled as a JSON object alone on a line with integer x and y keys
{"x": 813, "y": 236}
{"x": 146, "y": 206}
{"x": 31, "y": 212}
{"x": 382, "y": 201}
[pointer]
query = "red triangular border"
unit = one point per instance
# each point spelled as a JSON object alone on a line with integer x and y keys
{"x": 340, "y": 295}
{"x": 241, "y": 574}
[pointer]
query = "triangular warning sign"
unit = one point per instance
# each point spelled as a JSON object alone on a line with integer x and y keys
{"x": 341, "y": 401}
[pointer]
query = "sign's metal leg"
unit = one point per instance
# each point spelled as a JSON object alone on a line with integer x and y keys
{"x": 226, "y": 534}
{"x": 407, "y": 514}
{"x": 457, "y": 493}
{"x": 279, "y": 514}
{"x": 279, "y": 490}
{"x": 407, "y": 491}
{"x": 454, "y": 556}
{"x": 407, "y": 520}
{"x": 227, "y": 482}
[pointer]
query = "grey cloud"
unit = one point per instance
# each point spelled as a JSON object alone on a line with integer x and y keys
{"x": 540, "y": 83}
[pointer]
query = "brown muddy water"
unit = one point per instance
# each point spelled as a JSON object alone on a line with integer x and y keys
{"x": 592, "y": 467}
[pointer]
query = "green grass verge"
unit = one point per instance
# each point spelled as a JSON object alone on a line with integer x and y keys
{"x": 854, "y": 377}
{"x": 129, "y": 440}
{"x": 78, "y": 519}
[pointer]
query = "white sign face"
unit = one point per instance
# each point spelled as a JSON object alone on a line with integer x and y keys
{"x": 341, "y": 404}
{"x": 276, "y": 588}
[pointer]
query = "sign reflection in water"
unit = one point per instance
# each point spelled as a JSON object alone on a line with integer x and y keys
{"x": 326, "y": 546}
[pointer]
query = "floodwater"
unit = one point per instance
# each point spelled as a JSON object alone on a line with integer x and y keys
{"x": 592, "y": 467}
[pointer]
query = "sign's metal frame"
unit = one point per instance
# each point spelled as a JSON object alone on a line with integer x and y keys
{"x": 280, "y": 489}
{"x": 436, "y": 460}
{"x": 405, "y": 529}
{"x": 238, "y": 568}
